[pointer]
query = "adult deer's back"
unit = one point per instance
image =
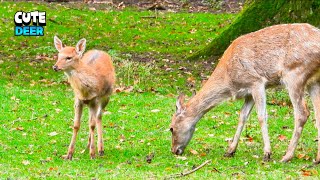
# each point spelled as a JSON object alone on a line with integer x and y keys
{"x": 287, "y": 54}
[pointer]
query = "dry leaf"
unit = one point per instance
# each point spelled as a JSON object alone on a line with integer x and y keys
{"x": 181, "y": 157}
{"x": 25, "y": 162}
{"x": 250, "y": 139}
{"x": 282, "y": 137}
{"x": 53, "y": 133}
{"x": 19, "y": 128}
{"x": 155, "y": 110}
{"x": 300, "y": 156}
{"x": 53, "y": 168}
{"x": 203, "y": 154}
{"x": 194, "y": 152}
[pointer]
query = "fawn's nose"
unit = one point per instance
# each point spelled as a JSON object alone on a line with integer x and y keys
{"x": 55, "y": 68}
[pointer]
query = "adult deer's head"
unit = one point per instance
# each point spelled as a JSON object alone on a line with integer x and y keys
{"x": 68, "y": 56}
{"x": 182, "y": 127}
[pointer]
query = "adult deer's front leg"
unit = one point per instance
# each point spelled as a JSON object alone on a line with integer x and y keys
{"x": 301, "y": 114}
{"x": 259, "y": 96}
{"x": 78, "y": 106}
{"x": 244, "y": 114}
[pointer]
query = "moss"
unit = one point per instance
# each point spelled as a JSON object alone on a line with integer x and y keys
{"x": 261, "y": 13}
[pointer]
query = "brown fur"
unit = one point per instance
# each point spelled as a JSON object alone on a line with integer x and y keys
{"x": 287, "y": 54}
{"x": 92, "y": 78}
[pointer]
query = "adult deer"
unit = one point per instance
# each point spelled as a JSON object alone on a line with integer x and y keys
{"x": 287, "y": 54}
{"x": 92, "y": 77}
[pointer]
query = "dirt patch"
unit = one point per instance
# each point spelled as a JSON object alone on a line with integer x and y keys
{"x": 211, "y": 6}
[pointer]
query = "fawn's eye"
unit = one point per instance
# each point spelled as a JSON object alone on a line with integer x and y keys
{"x": 171, "y": 129}
{"x": 68, "y": 58}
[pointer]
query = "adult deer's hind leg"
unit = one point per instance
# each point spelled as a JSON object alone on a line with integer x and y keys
{"x": 314, "y": 92}
{"x": 259, "y": 96}
{"x": 301, "y": 114}
{"x": 244, "y": 114}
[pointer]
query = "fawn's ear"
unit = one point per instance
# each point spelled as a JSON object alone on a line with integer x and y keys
{"x": 58, "y": 43}
{"x": 81, "y": 46}
{"x": 180, "y": 107}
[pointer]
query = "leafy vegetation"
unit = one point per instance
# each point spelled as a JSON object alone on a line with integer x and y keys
{"x": 36, "y": 118}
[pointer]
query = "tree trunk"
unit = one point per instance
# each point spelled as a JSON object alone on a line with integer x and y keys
{"x": 261, "y": 13}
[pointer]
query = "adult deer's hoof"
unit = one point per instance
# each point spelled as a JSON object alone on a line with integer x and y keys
{"x": 67, "y": 157}
{"x": 227, "y": 154}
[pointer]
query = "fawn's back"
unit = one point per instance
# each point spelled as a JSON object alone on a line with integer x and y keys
{"x": 94, "y": 77}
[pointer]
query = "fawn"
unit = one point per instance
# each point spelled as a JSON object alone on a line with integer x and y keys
{"x": 92, "y": 77}
{"x": 287, "y": 54}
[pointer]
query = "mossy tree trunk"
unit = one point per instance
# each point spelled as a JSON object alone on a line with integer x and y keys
{"x": 261, "y": 13}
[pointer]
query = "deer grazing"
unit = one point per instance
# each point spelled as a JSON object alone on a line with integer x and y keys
{"x": 92, "y": 77}
{"x": 287, "y": 54}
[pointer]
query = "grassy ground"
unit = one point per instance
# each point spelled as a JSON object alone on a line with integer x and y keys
{"x": 37, "y": 111}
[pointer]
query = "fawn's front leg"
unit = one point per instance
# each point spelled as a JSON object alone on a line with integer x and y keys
{"x": 78, "y": 106}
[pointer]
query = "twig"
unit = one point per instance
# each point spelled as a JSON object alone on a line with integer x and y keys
{"x": 189, "y": 172}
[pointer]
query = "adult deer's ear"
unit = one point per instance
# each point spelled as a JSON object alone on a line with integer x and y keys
{"x": 180, "y": 107}
{"x": 58, "y": 43}
{"x": 81, "y": 46}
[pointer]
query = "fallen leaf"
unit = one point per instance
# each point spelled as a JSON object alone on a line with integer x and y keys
{"x": 25, "y": 162}
{"x": 53, "y": 168}
{"x": 181, "y": 157}
{"x": 194, "y": 152}
{"x": 53, "y": 133}
{"x": 306, "y": 172}
{"x": 19, "y": 128}
{"x": 122, "y": 138}
{"x": 250, "y": 139}
{"x": 203, "y": 154}
{"x": 282, "y": 137}
{"x": 300, "y": 156}
{"x": 155, "y": 110}
{"x": 129, "y": 89}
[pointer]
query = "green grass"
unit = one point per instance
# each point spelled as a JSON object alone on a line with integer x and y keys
{"x": 36, "y": 103}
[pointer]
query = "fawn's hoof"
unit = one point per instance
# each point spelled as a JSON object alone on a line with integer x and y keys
{"x": 101, "y": 153}
{"x": 227, "y": 154}
{"x": 92, "y": 156}
{"x": 67, "y": 157}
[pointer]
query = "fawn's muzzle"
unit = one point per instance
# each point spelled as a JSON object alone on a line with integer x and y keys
{"x": 55, "y": 68}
